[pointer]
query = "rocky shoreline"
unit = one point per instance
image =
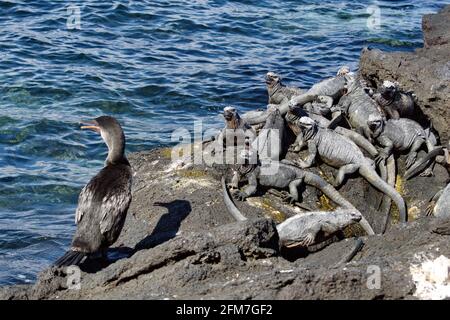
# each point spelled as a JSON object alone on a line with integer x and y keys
{"x": 179, "y": 242}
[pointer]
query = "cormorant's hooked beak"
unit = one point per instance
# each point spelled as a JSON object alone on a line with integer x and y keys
{"x": 91, "y": 125}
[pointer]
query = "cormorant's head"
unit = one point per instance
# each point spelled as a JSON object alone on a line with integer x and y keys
{"x": 112, "y": 133}
{"x": 272, "y": 79}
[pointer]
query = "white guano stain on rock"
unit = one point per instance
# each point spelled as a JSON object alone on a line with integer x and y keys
{"x": 431, "y": 277}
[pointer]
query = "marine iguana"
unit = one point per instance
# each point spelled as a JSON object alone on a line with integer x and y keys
{"x": 333, "y": 87}
{"x": 295, "y": 115}
{"x": 282, "y": 175}
{"x": 358, "y": 106}
{"x": 399, "y": 134}
{"x": 277, "y": 91}
{"x": 303, "y": 229}
{"x": 395, "y": 103}
{"x": 342, "y": 153}
{"x": 270, "y": 142}
{"x": 236, "y": 132}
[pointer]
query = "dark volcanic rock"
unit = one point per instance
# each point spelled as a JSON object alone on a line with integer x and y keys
{"x": 189, "y": 247}
{"x": 426, "y": 71}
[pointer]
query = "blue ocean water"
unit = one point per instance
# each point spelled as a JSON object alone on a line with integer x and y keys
{"x": 156, "y": 66}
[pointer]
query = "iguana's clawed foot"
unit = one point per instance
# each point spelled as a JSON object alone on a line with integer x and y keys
{"x": 309, "y": 240}
{"x": 410, "y": 160}
{"x": 287, "y": 197}
{"x": 239, "y": 195}
{"x": 427, "y": 173}
{"x": 380, "y": 159}
{"x": 294, "y": 148}
{"x": 430, "y": 209}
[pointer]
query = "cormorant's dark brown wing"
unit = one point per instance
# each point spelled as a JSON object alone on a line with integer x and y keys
{"x": 108, "y": 194}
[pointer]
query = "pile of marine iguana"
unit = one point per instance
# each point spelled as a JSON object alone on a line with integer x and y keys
{"x": 346, "y": 124}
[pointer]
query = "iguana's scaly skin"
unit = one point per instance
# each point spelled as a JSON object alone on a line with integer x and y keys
{"x": 342, "y": 153}
{"x": 333, "y": 87}
{"x": 302, "y": 229}
{"x": 399, "y": 135}
{"x": 394, "y": 102}
{"x": 278, "y": 92}
{"x": 295, "y": 114}
{"x": 440, "y": 203}
{"x": 358, "y": 106}
{"x": 236, "y": 129}
{"x": 284, "y": 175}
{"x": 270, "y": 142}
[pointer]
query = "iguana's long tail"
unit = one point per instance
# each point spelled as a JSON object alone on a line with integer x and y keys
{"x": 372, "y": 177}
{"x": 318, "y": 182}
{"x": 232, "y": 209}
{"x": 385, "y": 207}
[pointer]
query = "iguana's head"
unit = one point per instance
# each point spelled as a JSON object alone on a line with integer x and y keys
{"x": 272, "y": 79}
{"x": 375, "y": 124}
{"x": 344, "y": 218}
{"x": 230, "y": 114}
{"x": 343, "y": 71}
{"x": 308, "y": 126}
{"x": 388, "y": 89}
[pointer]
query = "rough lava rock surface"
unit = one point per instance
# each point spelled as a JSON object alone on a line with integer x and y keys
{"x": 426, "y": 71}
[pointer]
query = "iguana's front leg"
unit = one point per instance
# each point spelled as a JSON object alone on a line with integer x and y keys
{"x": 293, "y": 190}
{"x": 430, "y": 208}
{"x": 249, "y": 189}
{"x": 412, "y": 156}
{"x": 310, "y": 159}
{"x": 384, "y": 153}
{"x": 298, "y": 143}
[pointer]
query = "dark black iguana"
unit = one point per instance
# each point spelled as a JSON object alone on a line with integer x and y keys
{"x": 340, "y": 152}
{"x": 394, "y": 102}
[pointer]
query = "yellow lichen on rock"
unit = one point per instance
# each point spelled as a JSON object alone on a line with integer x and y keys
{"x": 269, "y": 210}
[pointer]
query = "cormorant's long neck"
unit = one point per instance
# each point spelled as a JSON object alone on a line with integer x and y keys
{"x": 116, "y": 150}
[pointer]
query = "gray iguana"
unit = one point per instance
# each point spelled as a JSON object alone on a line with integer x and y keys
{"x": 358, "y": 106}
{"x": 279, "y": 93}
{"x": 333, "y": 87}
{"x": 342, "y": 153}
{"x": 400, "y": 135}
{"x": 303, "y": 229}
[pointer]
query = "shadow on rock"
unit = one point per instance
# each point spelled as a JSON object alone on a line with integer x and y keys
{"x": 168, "y": 225}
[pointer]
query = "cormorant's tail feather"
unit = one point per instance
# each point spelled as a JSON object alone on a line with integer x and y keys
{"x": 70, "y": 258}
